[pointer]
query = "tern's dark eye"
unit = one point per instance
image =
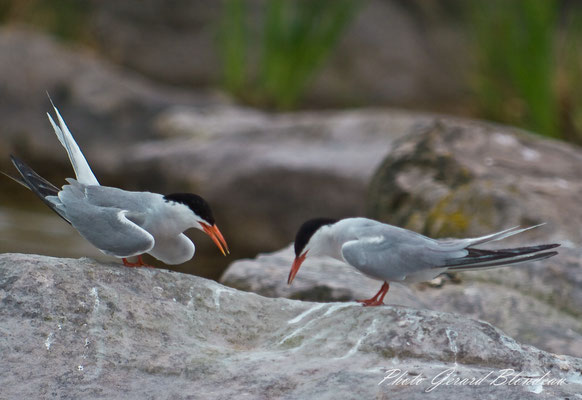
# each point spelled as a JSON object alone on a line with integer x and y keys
{"x": 197, "y": 204}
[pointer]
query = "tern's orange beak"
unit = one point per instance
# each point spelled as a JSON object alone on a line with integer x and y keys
{"x": 295, "y": 267}
{"x": 216, "y": 237}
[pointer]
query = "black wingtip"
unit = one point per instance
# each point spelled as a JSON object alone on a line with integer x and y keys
{"x": 506, "y": 261}
{"x": 15, "y": 179}
{"x": 39, "y": 186}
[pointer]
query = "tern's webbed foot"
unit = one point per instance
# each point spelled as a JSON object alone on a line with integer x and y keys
{"x": 138, "y": 264}
{"x": 371, "y": 302}
{"x": 378, "y": 299}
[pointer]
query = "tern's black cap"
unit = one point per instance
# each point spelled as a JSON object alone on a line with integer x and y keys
{"x": 196, "y": 203}
{"x": 307, "y": 230}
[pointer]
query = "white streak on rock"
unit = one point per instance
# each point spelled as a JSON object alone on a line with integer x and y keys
{"x": 371, "y": 329}
{"x": 537, "y": 389}
{"x": 297, "y": 331}
{"x": 217, "y": 291}
{"x": 95, "y": 294}
{"x": 306, "y": 313}
{"x": 452, "y": 336}
{"x": 191, "y": 295}
{"x": 339, "y": 306}
{"x": 49, "y": 341}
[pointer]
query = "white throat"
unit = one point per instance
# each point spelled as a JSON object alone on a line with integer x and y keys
{"x": 324, "y": 243}
{"x": 172, "y": 218}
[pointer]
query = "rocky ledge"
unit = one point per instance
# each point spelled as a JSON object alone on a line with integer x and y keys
{"x": 78, "y": 329}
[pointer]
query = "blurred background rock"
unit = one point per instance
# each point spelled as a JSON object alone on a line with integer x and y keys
{"x": 244, "y": 102}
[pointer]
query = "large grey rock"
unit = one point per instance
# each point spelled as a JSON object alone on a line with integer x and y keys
{"x": 78, "y": 329}
{"x": 544, "y": 314}
{"x": 459, "y": 179}
{"x": 453, "y": 177}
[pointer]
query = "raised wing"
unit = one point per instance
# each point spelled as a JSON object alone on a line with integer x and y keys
{"x": 78, "y": 161}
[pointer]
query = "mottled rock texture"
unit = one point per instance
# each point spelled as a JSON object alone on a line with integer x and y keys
{"x": 73, "y": 329}
{"x": 452, "y": 177}
{"x": 534, "y": 312}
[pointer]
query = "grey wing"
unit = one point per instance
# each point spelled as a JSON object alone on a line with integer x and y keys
{"x": 113, "y": 197}
{"x": 395, "y": 254}
{"x": 392, "y": 253}
{"x": 112, "y": 230}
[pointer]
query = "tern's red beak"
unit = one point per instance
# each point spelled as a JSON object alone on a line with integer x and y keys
{"x": 295, "y": 267}
{"x": 216, "y": 237}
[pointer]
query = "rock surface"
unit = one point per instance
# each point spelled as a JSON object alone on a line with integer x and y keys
{"x": 461, "y": 179}
{"x": 544, "y": 315}
{"x": 77, "y": 329}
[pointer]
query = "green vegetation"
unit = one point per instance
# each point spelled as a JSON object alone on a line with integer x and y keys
{"x": 65, "y": 19}
{"x": 273, "y": 67}
{"x": 527, "y": 53}
{"x": 527, "y": 66}
{"x": 569, "y": 77}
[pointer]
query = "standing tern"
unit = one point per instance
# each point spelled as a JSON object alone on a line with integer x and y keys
{"x": 388, "y": 253}
{"x": 118, "y": 222}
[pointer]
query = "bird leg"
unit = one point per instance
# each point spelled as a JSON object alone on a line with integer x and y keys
{"x": 378, "y": 299}
{"x": 139, "y": 263}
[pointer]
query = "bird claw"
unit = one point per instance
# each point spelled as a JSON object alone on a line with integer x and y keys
{"x": 371, "y": 302}
{"x": 137, "y": 264}
{"x": 378, "y": 299}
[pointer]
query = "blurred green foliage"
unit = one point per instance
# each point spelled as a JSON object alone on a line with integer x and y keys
{"x": 65, "y": 19}
{"x": 528, "y": 53}
{"x": 272, "y": 67}
{"x": 569, "y": 76}
{"x": 528, "y": 62}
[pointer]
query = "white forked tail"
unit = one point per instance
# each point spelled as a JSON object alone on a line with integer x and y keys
{"x": 78, "y": 161}
{"x": 501, "y": 235}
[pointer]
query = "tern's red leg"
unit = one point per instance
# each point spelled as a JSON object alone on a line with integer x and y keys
{"x": 378, "y": 299}
{"x": 139, "y": 263}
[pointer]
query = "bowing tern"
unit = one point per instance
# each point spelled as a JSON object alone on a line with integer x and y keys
{"x": 388, "y": 253}
{"x": 121, "y": 223}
